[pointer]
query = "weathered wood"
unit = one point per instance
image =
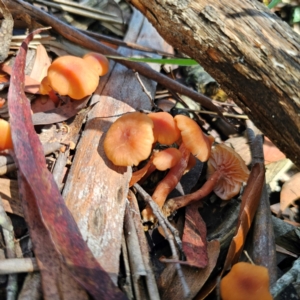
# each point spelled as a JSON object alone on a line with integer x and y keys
{"x": 96, "y": 190}
{"x": 248, "y": 50}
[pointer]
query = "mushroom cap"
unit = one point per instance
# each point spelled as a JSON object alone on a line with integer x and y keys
{"x": 165, "y": 129}
{"x": 5, "y": 136}
{"x": 166, "y": 158}
{"x": 129, "y": 139}
{"x": 72, "y": 76}
{"x": 45, "y": 87}
{"x": 97, "y": 61}
{"x": 193, "y": 137}
{"x": 233, "y": 171}
{"x": 246, "y": 281}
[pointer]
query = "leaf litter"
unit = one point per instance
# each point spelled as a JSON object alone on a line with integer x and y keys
{"x": 44, "y": 207}
{"x": 43, "y": 235}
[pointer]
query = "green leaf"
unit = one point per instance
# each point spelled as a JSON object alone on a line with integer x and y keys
{"x": 273, "y": 3}
{"x": 296, "y": 15}
{"x": 171, "y": 61}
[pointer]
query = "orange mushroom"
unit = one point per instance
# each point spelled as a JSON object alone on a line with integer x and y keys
{"x": 165, "y": 129}
{"x": 98, "y": 62}
{"x": 161, "y": 160}
{"x": 46, "y": 89}
{"x": 226, "y": 173}
{"x": 167, "y": 184}
{"x": 194, "y": 139}
{"x": 72, "y": 76}
{"x": 166, "y": 158}
{"x": 129, "y": 139}
{"x": 246, "y": 281}
{"x": 5, "y": 136}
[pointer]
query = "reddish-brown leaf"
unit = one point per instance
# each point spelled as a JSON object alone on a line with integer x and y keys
{"x": 194, "y": 238}
{"x": 44, "y": 197}
{"x": 250, "y": 201}
{"x": 41, "y": 64}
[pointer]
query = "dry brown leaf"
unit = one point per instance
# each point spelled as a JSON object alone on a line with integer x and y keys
{"x": 290, "y": 192}
{"x": 41, "y": 64}
{"x": 250, "y": 201}
{"x": 30, "y": 86}
{"x": 194, "y": 238}
{"x": 170, "y": 285}
{"x": 271, "y": 152}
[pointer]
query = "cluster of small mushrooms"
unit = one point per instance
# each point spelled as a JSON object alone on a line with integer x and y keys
{"x": 67, "y": 76}
{"x": 138, "y": 133}
{"x": 74, "y": 76}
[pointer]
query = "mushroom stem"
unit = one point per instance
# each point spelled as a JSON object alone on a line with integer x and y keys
{"x": 175, "y": 203}
{"x": 167, "y": 184}
{"x": 226, "y": 171}
{"x": 142, "y": 173}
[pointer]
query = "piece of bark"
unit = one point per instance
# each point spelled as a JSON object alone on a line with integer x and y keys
{"x": 143, "y": 244}
{"x": 252, "y": 54}
{"x": 96, "y": 190}
{"x": 137, "y": 267}
{"x": 6, "y": 30}
{"x": 9, "y": 193}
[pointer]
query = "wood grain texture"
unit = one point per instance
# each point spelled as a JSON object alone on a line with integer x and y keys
{"x": 249, "y": 51}
{"x": 96, "y": 190}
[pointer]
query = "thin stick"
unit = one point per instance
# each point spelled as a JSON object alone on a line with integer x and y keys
{"x": 98, "y": 15}
{"x": 145, "y": 89}
{"x": 129, "y": 45}
{"x": 8, "y": 234}
{"x": 162, "y": 221}
{"x": 248, "y": 256}
{"x": 286, "y": 279}
{"x": 225, "y": 114}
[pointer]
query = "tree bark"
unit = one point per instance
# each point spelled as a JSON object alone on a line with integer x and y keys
{"x": 251, "y": 53}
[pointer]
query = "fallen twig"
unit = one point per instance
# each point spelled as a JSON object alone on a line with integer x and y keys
{"x": 18, "y": 265}
{"x": 165, "y": 224}
{"x": 286, "y": 279}
{"x": 8, "y": 234}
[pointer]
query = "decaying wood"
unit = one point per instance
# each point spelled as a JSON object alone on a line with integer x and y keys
{"x": 96, "y": 190}
{"x": 248, "y": 50}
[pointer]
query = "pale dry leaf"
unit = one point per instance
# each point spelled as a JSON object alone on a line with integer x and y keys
{"x": 290, "y": 192}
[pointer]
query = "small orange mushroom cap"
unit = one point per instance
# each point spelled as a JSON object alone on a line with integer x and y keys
{"x": 129, "y": 140}
{"x": 233, "y": 171}
{"x": 166, "y": 159}
{"x": 165, "y": 129}
{"x": 45, "y": 87}
{"x": 246, "y": 281}
{"x": 98, "y": 62}
{"x": 193, "y": 138}
{"x": 5, "y": 136}
{"x": 72, "y": 76}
